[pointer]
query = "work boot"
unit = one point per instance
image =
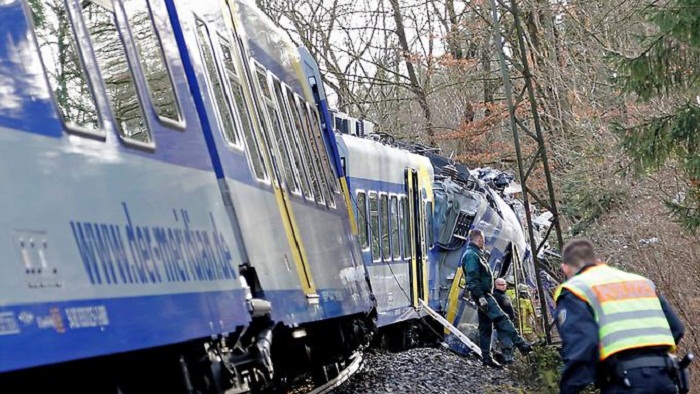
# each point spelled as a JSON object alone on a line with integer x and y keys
{"x": 525, "y": 348}
{"x": 498, "y": 357}
{"x": 489, "y": 362}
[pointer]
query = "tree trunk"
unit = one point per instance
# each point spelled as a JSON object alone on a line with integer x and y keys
{"x": 415, "y": 85}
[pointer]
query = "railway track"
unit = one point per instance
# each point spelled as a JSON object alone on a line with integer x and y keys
{"x": 341, "y": 377}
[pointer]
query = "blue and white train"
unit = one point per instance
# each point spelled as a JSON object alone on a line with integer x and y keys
{"x": 178, "y": 214}
{"x": 165, "y": 185}
{"x": 446, "y": 200}
{"x": 393, "y": 200}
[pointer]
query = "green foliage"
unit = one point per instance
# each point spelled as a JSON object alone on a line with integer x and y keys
{"x": 590, "y": 187}
{"x": 586, "y": 198}
{"x": 665, "y": 65}
{"x": 541, "y": 371}
{"x": 671, "y": 60}
{"x": 668, "y": 68}
{"x": 678, "y": 19}
{"x": 38, "y": 15}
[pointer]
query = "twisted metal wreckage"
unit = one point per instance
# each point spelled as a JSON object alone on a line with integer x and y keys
{"x": 489, "y": 200}
{"x": 486, "y": 199}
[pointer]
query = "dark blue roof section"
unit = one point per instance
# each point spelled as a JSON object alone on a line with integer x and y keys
{"x": 439, "y": 162}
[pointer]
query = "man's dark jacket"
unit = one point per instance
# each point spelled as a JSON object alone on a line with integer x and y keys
{"x": 478, "y": 273}
{"x": 580, "y": 339}
{"x": 504, "y": 302}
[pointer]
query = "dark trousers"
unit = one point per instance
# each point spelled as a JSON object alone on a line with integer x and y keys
{"x": 493, "y": 315}
{"x": 650, "y": 380}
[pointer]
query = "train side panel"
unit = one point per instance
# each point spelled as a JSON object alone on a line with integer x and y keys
{"x": 377, "y": 181}
{"x": 246, "y": 181}
{"x": 318, "y": 218}
{"x": 114, "y": 241}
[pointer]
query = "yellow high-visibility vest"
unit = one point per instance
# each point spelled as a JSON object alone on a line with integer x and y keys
{"x": 526, "y": 313}
{"x": 626, "y": 308}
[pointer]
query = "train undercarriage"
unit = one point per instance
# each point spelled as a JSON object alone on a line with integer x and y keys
{"x": 263, "y": 357}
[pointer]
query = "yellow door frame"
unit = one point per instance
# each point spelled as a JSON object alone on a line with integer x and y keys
{"x": 282, "y": 198}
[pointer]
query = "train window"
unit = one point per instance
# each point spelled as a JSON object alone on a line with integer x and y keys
{"x": 324, "y": 164}
{"x": 394, "y": 210}
{"x": 150, "y": 52}
{"x": 59, "y": 54}
{"x": 224, "y": 115}
{"x": 327, "y": 168}
{"x": 294, "y": 111}
{"x": 239, "y": 107}
{"x": 384, "y": 217}
{"x": 362, "y": 218}
{"x": 315, "y": 155}
{"x": 407, "y": 247}
{"x": 338, "y": 124}
{"x": 429, "y": 236}
{"x": 292, "y": 143}
{"x": 223, "y": 112}
{"x": 278, "y": 145}
{"x": 262, "y": 80}
{"x": 231, "y": 132}
{"x": 374, "y": 225}
{"x": 116, "y": 73}
{"x": 228, "y": 57}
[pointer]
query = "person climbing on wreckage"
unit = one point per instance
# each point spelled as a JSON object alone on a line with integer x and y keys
{"x": 480, "y": 282}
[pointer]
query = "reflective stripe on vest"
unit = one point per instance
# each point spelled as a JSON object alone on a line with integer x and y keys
{"x": 626, "y": 309}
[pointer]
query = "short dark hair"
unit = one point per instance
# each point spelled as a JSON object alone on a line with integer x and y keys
{"x": 578, "y": 252}
{"x": 475, "y": 233}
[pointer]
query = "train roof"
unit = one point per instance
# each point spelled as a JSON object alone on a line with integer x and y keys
{"x": 373, "y": 160}
{"x": 269, "y": 45}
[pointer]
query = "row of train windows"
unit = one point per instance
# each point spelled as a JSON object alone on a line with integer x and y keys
{"x": 73, "y": 87}
{"x": 290, "y": 126}
{"x": 295, "y": 144}
{"x": 388, "y": 226}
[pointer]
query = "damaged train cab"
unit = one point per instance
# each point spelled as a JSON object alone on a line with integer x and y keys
{"x": 455, "y": 200}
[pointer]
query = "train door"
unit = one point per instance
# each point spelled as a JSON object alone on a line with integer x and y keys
{"x": 416, "y": 235}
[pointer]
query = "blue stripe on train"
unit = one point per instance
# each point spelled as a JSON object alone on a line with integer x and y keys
{"x": 332, "y": 303}
{"x": 36, "y": 334}
{"x": 49, "y": 332}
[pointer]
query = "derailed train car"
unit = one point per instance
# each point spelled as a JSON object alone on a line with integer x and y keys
{"x": 460, "y": 202}
{"x": 178, "y": 215}
{"x": 393, "y": 203}
{"x": 172, "y": 220}
{"x": 459, "y": 207}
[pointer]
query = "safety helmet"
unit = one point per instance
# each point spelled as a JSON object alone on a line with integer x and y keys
{"x": 522, "y": 288}
{"x": 510, "y": 280}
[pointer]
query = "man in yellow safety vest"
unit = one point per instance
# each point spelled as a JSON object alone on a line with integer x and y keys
{"x": 616, "y": 331}
{"x": 526, "y": 313}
